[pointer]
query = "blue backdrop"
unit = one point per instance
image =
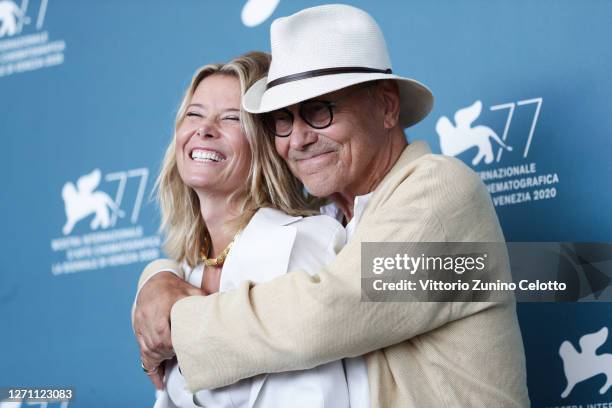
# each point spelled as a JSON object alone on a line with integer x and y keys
{"x": 88, "y": 94}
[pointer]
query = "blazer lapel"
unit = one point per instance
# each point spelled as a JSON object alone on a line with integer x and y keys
{"x": 262, "y": 250}
{"x": 260, "y": 253}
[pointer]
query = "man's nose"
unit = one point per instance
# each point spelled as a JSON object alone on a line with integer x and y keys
{"x": 302, "y": 134}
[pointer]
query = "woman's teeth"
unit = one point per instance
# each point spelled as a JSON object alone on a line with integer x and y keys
{"x": 204, "y": 155}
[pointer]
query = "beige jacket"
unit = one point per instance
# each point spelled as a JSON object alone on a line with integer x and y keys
{"x": 417, "y": 354}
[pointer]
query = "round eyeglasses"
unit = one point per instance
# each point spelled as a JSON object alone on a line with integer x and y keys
{"x": 317, "y": 113}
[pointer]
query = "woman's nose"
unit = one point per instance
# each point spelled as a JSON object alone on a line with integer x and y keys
{"x": 206, "y": 131}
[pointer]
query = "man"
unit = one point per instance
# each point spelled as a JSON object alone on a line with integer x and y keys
{"x": 338, "y": 113}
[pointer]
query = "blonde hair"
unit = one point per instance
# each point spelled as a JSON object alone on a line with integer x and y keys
{"x": 269, "y": 183}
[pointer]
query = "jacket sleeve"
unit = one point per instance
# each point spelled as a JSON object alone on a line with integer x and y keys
{"x": 152, "y": 269}
{"x": 298, "y": 321}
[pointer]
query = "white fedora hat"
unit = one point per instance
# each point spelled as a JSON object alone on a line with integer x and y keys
{"x": 322, "y": 49}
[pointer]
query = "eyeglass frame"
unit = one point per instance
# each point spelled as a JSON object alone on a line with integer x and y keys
{"x": 328, "y": 104}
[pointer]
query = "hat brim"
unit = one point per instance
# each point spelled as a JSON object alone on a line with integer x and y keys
{"x": 415, "y": 98}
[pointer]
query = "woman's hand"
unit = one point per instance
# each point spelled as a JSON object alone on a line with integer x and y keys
{"x": 152, "y": 320}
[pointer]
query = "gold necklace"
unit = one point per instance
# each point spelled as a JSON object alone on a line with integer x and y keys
{"x": 219, "y": 260}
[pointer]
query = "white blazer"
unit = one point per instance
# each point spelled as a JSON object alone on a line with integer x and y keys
{"x": 272, "y": 244}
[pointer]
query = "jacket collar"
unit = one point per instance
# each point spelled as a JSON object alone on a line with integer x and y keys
{"x": 273, "y": 216}
{"x": 396, "y": 175}
{"x": 411, "y": 153}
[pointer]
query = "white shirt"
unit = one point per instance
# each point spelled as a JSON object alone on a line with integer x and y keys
{"x": 355, "y": 368}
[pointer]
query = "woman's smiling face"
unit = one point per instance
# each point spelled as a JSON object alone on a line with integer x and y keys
{"x": 213, "y": 155}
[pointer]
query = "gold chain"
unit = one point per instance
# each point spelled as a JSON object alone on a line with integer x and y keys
{"x": 219, "y": 260}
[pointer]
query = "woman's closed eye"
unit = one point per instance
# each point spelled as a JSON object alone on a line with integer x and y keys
{"x": 194, "y": 114}
{"x": 232, "y": 118}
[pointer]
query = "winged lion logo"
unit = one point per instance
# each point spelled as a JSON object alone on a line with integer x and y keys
{"x": 82, "y": 200}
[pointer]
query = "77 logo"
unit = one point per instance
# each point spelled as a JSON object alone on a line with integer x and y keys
{"x": 463, "y": 135}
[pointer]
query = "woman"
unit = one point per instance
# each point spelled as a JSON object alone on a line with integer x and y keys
{"x": 232, "y": 212}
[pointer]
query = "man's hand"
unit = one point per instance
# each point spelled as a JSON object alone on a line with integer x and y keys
{"x": 152, "y": 320}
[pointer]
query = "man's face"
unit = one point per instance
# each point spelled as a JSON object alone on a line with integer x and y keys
{"x": 335, "y": 159}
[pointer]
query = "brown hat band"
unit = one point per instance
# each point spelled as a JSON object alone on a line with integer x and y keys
{"x": 325, "y": 71}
